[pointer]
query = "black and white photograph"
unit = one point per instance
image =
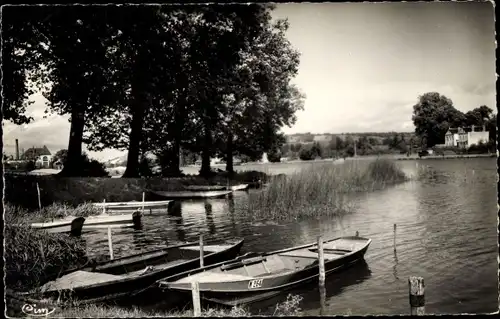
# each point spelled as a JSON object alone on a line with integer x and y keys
{"x": 249, "y": 159}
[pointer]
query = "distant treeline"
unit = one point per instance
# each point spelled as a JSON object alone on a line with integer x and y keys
{"x": 346, "y": 145}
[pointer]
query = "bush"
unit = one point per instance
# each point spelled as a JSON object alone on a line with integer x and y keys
{"x": 305, "y": 155}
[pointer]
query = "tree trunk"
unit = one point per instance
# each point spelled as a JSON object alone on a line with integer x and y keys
{"x": 139, "y": 105}
{"x": 229, "y": 154}
{"x": 175, "y": 161}
{"x": 206, "y": 153}
{"x": 73, "y": 166}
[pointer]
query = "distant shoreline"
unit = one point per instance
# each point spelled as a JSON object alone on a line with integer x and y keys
{"x": 444, "y": 157}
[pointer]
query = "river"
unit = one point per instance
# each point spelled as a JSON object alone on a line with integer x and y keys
{"x": 446, "y": 233}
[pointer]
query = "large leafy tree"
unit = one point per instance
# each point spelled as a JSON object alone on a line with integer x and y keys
{"x": 433, "y": 115}
{"x": 63, "y": 52}
{"x": 479, "y": 116}
{"x": 262, "y": 99}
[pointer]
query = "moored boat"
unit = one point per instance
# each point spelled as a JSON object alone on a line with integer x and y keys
{"x": 73, "y": 226}
{"x": 238, "y": 187}
{"x": 246, "y": 280}
{"x": 133, "y": 205}
{"x": 190, "y": 194}
{"x": 104, "y": 221}
{"x": 204, "y": 188}
{"x": 132, "y": 275}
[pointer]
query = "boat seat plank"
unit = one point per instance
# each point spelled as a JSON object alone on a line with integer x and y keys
{"x": 302, "y": 253}
{"x": 205, "y": 277}
{"x": 148, "y": 269}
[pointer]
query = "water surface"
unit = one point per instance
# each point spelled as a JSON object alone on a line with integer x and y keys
{"x": 446, "y": 233}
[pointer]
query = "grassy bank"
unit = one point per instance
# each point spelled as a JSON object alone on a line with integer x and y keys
{"x": 321, "y": 190}
{"x": 21, "y": 190}
{"x": 32, "y": 256}
{"x": 289, "y": 307}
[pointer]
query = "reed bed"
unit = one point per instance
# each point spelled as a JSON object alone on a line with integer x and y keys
{"x": 322, "y": 189}
{"x": 19, "y": 215}
{"x": 33, "y": 256}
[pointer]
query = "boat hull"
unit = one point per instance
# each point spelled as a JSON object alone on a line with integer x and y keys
{"x": 190, "y": 194}
{"x": 132, "y": 288}
{"x": 248, "y": 289}
{"x": 241, "y": 295}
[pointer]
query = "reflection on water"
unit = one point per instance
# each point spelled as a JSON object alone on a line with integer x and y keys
{"x": 446, "y": 233}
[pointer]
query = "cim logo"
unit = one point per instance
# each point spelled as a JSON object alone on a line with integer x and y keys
{"x": 33, "y": 310}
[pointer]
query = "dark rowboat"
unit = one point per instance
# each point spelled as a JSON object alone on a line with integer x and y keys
{"x": 246, "y": 280}
{"x": 122, "y": 277}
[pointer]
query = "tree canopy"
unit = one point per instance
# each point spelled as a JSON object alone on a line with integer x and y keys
{"x": 155, "y": 79}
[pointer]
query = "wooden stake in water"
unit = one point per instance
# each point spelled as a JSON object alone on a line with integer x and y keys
{"x": 195, "y": 291}
{"x": 110, "y": 244}
{"x": 143, "y": 195}
{"x": 201, "y": 250}
{"x": 321, "y": 260}
{"x": 39, "y": 197}
{"x": 104, "y": 206}
{"x": 394, "y": 236}
{"x": 417, "y": 296}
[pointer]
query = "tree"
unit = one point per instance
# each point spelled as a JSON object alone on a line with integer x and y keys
{"x": 433, "y": 115}
{"x": 64, "y": 58}
{"x": 316, "y": 150}
{"x": 479, "y": 116}
{"x": 259, "y": 97}
{"x": 61, "y": 156}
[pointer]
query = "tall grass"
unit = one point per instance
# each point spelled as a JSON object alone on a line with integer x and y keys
{"x": 322, "y": 189}
{"x": 33, "y": 256}
{"x": 19, "y": 215}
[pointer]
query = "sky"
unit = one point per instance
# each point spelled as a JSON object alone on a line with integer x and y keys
{"x": 363, "y": 66}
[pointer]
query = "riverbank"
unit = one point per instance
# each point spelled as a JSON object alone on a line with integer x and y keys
{"x": 21, "y": 190}
{"x": 444, "y": 157}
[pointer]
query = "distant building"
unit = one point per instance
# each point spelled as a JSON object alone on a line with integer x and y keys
{"x": 322, "y": 138}
{"x": 465, "y": 137}
{"x": 451, "y": 138}
{"x": 41, "y": 156}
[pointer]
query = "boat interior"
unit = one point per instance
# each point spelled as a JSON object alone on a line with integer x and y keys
{"x": 128, "y": 268}
{"x": 279, "y": 263}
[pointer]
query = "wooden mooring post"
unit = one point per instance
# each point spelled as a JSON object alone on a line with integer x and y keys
{"x": 104, "y": 206}
{"x": 321, "y": 261}
{"x": 395, "y": 236}
{"x": 39, "y": 197}
{"x": 201, "y": 250}
{"x": 110, "y": 244}
{"x": 143, "y": 196}
{"x": 417, "y": 296}
{"x": 195, "y": 291}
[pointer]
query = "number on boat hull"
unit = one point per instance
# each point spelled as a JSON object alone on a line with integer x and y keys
{"x": 256, "y": 283}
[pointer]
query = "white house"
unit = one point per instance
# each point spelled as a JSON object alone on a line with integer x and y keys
{"x": 466, "y": 139}
{"x": 451, "y": 139}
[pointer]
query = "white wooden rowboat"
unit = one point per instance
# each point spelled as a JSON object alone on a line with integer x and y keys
{"x": 72, "y": 225}
{"x": 238, "y": 187}
{"x": 133, "y": 205}
{"x": 93, "y": 222}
